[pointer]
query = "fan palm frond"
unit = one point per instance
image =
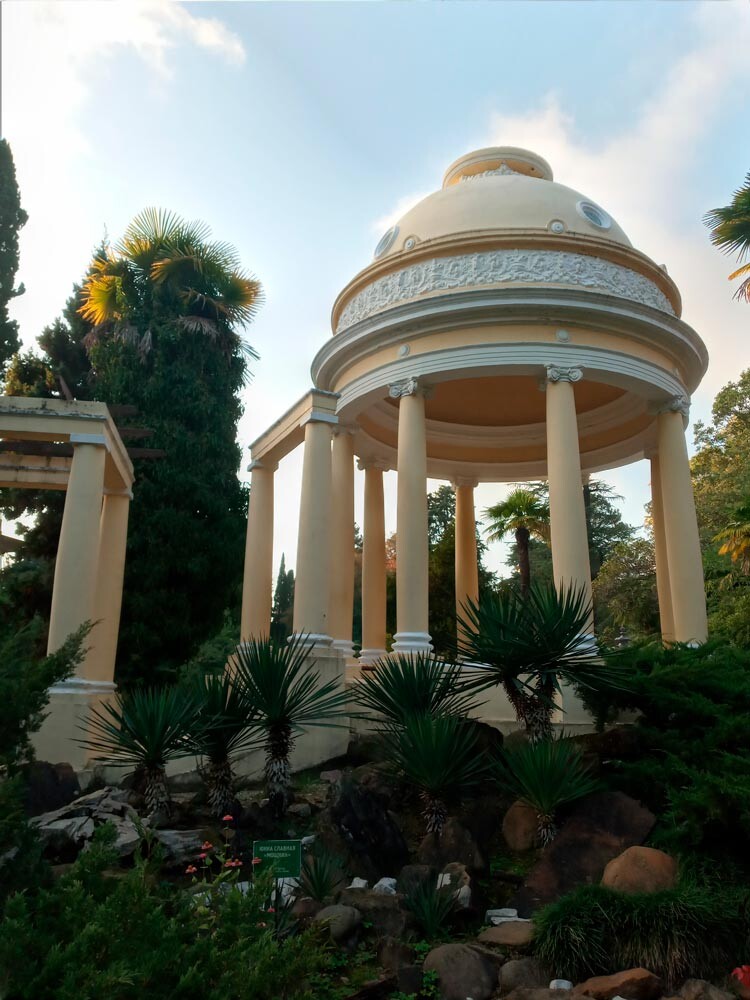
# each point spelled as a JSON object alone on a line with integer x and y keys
{"x": 522, "y": 508}
{"x": 730, "y": 232}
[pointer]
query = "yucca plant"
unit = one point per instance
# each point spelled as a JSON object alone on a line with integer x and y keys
{"x": 439, "y": 756}
{"x": 403, "y": 685}
{"x": 531, "y": 643}
{"x": 223, "y": 731}
{"x": 320, "y": 875}
{"x": 284, "y": 696}
{"x": 546, "y": 775}
{"x": 144, "y": 730}
{"x": 432, "y": 908}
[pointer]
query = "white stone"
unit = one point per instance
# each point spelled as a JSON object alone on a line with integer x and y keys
{"x": 359, "y": 883}
{"x": 562, "y": 984}
{"x": 498, "y": 915}
{"x": 385, "y": 886}
{"x": 463, "y": 897}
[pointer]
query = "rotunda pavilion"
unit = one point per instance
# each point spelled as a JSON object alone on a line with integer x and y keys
{"x": 506, "y": 330}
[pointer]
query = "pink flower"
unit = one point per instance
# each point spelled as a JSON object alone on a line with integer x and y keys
{"x": 207, "y": 846}
{"x": 228, "y": 818}
{"x": 271, "y": 909}
{"x": 742, "y": 975}
{"x": 236, "y": 863}
{"x": 201, "y": 857}
{"x": 191, "y": 870}
{"x": 257, "y": 861}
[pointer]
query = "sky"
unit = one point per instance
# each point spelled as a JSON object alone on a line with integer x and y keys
{"x": 301, "y": 131}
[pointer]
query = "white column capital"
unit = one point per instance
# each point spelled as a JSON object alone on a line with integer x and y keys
{"x": 458, "y": 481}
{"x": 257, "y": 463}
{"x": 409, "y": 387}
{"x": 365, "y": 463}
{"x": 675, "y": 404}
{"x": 558, "y": 374}
{"x": 96, "y": 439}
{"x": 345, "y": 429}
{"x": 319, "y": 417}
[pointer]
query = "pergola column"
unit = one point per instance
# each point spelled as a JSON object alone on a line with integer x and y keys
{"x": 663, "y": 584}
{"x": 569, "y": 541}
{"x": 412, "y": 561}
{"x": 312, "y": 586}
{"x": 342, "y": 542}
{"x": 76, "y": 565}
{"x": 113, "y": 539}
{"x": 257, "y": 586}
{"x": 681, "y": 526}
{"x": 467, "y": 566}
{"x": 373, "y": 565}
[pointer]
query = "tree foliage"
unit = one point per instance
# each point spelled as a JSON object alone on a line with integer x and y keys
{"x": 625, "y": 591}
{"x": 730, "y": 231}
{"x": 12, "y": 219}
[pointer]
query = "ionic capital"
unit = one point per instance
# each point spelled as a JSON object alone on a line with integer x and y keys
{"x": 557, "y": 374}
{"x": 677, "y": 404}
{"x": 345, "y": 429}
{"x": 363, "y": 464}
{"x": 457, "y": 481}
{"x": 409, "y": 387}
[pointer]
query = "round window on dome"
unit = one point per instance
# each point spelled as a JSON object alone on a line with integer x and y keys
{"x": 386, "y": 242}
{"x": 593, "y": 214}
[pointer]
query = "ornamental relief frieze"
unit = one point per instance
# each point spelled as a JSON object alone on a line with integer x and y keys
{"x": 492, "y": 267}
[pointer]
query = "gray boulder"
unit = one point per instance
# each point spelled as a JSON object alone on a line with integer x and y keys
{"x": 526, "y": 973}
{"x": 180, "y": 846}
{"x": 462, "y": 972}
{"x": 342, "y": 921}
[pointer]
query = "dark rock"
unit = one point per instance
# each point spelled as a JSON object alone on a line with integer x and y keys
{"x": 300, "y": 810}
{"x": 641, "y": 869}
{"x": 393, "y": 954}
{"x": 414, "y": 877}
{"x": 518, "y": 738}
{"x": 455, "y": 843}
{"x": 516, "y": 934}
{"x": 632, "y": 984}
{"x": 364, "y": 748}
{"x": 383, "y": 912}
{"x": 409, "y": 979}
{"x": 527, "y": 973}
{"x": 180, "y": 846}
{"x": 699, "y": 989}
{"x": 342, "y": 921}
{"x": 462, "y": 972}
{"x": 331, "y": 777}
{"x": 489, "y": 739}
{"x": 371, "y": 833}
{"x": 537, "y": 993}
{"x": 598, "y": 828}
{"x": 617, "y": 743}
{"x": 305, "y": 907}
{"x": 48, "y": 786}
{"x": 520, "y": 827}
{"x": 376, "y": 989}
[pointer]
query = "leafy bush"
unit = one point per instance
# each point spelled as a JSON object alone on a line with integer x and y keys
{"x": 695, "y": 930}
{"x": 129, "y": 937}
{"x": 546, "y": 775}
{"x": 432, "y": 908}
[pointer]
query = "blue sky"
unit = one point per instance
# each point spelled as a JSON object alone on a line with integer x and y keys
{"x": 298, "y": 131}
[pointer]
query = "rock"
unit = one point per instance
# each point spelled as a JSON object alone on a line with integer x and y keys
{"x": 128, "y": 838}
{"x": 510, "y": 934}
{"x": 359, "y": 883}
{"x": 454, "y": 875}
{"x": 699, "y": 989}
{"x": 515, "y": 740}
{"x": 66, "y": 836}
{"x": 48, "y": 786}
{"x": 342, "y": 921}
{"x": 302, "y": 810}
{"x": 525, "y": 973}
{"x": 387, "y": 886}
{"x": 462, "y": 972}
{"x": 539, "y": 993}
{"x": 305, "y": 907}
{"x": 186, "y": 781}
{"x": 393, "y": 954}
{"x": 620, "y": 743}
{"x": 331, "y": 777}
{"x": 598, "y": 828}
{"x": 454, "y": 843}
{"x": 520, "y": 825}
{"x": 463, "y": 897}
{"x": 409, "y": 979}
{"x": 383, "y": 912}
{"x": 641, "y": 869}
{"x": 632, "y": 984}
{"x": 370, "y": 832}
{"x": 560, "y": 984}
{"x": 413, "y": 877}
{"x": 180, "y": 846}
{"x": 500, "y": 915}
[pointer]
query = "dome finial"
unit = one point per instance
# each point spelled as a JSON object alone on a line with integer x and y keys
{"x": 497, "y": 160}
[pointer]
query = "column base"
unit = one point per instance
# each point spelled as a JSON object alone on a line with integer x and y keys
{"x": 344, "y": 646}
{"x": 315, "y": 640}
{"x": 368, "y": 657}
{"x": 412, "y": 642}
{"x": 70, "y": 703}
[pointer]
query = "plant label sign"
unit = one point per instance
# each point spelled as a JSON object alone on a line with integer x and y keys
{"x": 284, "y": 856}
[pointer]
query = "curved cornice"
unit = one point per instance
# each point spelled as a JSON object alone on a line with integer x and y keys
{"x": 478, "y": 241}
{"x": 504, "y": 306}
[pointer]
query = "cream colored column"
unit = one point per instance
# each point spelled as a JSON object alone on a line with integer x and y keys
{"x": 467, "y": 567}
{"x": 569, "y": 541}
{"x": 342, "y": 542}
{"x": 113, "y": 539}
{"x": 312, "y": 585}
{"x": 77, "y": 560}
{"x": 681, "y": 526}
{"x": 257, "y": 584}
{"x": 412, "y": 552}
{"x": 373, "y": 565}
{"x": 663, "y": 585}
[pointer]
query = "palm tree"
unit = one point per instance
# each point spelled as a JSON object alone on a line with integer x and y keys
{"x": 167, "y": 268}
{"x": 144, "y": 730}
{"x": 223, "y": 731}
{"x": 525, "y": 514}
{"x": 530, "y": 643}
{"x": 284, "y": 697}
{"x": 438, "y": 756}
{"x": 403, "y": 685}
{"x": 545, "y": 776}
{"x": 730, "y": 231}
{"x": 736, "y": 538}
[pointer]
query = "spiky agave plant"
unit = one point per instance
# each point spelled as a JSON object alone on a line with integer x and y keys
{"x": 144, "y": 730}
{"x": 439, "y": 756}
{"x": 224, "y": 730}
{"x": 285, "y": 696}
{"x": 546, "y": 775}
{"x": 405, "y": 685}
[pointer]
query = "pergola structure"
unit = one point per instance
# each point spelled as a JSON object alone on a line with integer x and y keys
{"x": 506, "y": 330}
{"x": 75, "y": 446}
